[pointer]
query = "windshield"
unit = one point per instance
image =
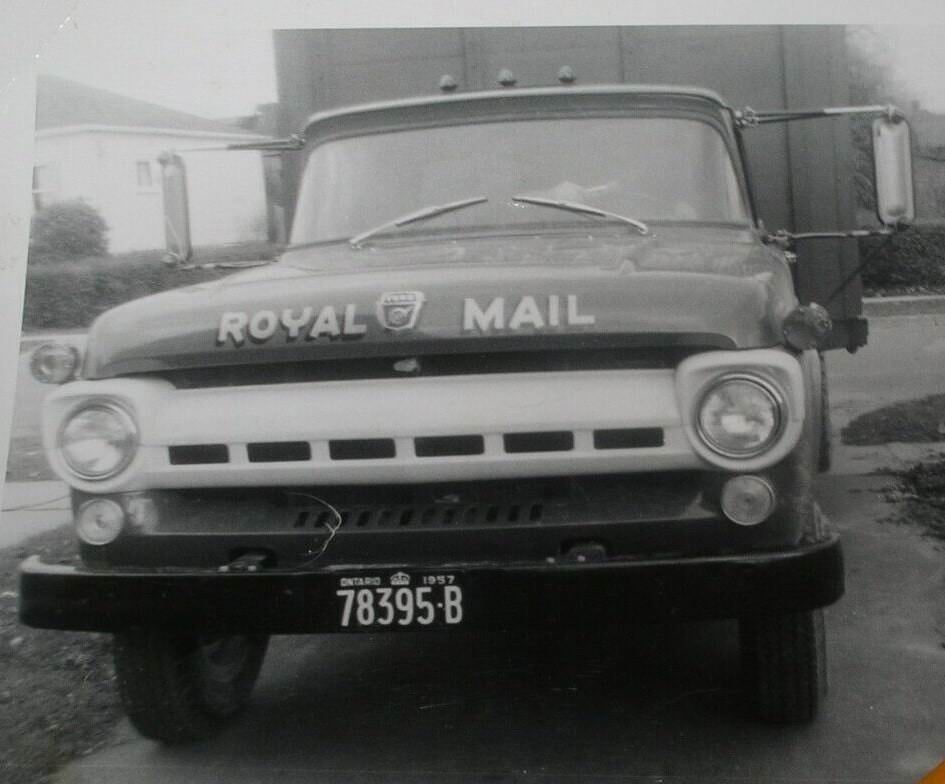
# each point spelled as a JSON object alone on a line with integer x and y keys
{"x": 649, "y": 169}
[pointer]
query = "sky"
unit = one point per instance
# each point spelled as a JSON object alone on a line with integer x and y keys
{"x": 199, "y": 61}
{"x": 917, "y": 55}
{"x": 192, "y": 57}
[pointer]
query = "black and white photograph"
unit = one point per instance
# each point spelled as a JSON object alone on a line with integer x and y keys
{"x": 544, "y": 399}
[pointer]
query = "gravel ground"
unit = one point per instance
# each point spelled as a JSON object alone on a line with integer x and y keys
{"x": 58, "y": 698}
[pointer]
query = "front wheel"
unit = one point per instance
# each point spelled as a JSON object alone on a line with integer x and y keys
{"x": 182, "y": 687}
{"x": 784, "y": 665}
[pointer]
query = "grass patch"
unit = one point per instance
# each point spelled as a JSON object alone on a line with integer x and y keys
{"x": 912, "y": 421}
{"x": 58, "y": 699}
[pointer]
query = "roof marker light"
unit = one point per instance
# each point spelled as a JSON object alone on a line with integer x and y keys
{"x": 506, "y": 78}
{"x": 566, "y": 75}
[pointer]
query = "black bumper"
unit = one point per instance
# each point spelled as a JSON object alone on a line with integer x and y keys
{"x": 496, "y": 596}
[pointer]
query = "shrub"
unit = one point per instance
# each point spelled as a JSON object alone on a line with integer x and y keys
{"x": 67, "y": 230}
{"x": 912, "y": 260}
{"x": 70, "y": 296}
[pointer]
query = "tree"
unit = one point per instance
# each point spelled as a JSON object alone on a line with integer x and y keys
{"x": 872, "y": 81}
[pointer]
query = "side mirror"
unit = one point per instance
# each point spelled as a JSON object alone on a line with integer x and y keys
{"x": 892, "y": 162}
{"x": 176, "y": 209}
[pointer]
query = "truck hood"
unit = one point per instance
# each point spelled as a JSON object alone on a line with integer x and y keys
{"x": 706, "y": 286}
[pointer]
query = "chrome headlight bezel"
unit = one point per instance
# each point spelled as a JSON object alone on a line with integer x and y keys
{"x": 778, "y": 406}
{"x": 129, "y": 451}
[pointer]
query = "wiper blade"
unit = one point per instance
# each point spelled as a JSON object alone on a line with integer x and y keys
{"x": 583, "y": 209}
{"x": 414, "y": 217}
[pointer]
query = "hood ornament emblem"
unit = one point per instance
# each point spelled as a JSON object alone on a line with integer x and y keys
{"x": 399, "y": 310}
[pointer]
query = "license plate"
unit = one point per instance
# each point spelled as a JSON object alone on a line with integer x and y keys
{"x": 399, "y": 601}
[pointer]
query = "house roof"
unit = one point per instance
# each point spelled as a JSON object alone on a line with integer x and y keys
{"x": 62, "y": 103}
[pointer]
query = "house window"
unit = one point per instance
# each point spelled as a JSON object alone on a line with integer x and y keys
{"x": 45, "y": 185}
{"x": 145, "y": 176}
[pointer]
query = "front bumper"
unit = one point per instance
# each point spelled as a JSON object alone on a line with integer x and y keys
{"x": 498, "y": 596}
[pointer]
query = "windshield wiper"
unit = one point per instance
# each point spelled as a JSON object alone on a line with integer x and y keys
{"x": 413, "y": 217}
{"x": 583, "y": 209}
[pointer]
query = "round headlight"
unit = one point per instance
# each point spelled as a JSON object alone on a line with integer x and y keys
{"x": 739, "y": 416}
{"x": 54, "y": 363}
{"x": 98, "y": 441}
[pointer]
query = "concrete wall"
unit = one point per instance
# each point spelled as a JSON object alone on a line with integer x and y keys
{"x": 227, "y": 195}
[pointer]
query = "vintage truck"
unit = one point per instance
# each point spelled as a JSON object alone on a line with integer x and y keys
{"x": 529, "y": 359}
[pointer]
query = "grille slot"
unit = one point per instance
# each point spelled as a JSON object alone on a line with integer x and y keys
{"x": 199, "y": 454}
{"x": 279, "y": 452}
{"x": 426, "y": 515}
{"x": 361, "y": 449}
{"x": 550, "y": 441}
{"x": 628, "y": 438}
{"x": 449, "y": 446}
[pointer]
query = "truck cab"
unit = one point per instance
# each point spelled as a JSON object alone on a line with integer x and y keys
{"x": 529, "y": 359}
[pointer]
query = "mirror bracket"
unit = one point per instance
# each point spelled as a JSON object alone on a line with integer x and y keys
{"x": 785, "y": 239}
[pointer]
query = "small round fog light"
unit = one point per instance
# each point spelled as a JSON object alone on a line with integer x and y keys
{"x": 99, "y": 521}
{"x": 748, "y": 500}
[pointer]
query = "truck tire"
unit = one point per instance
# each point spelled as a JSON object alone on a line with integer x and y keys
{"x": 182, "y": 687}
{"x": 784, "y": 665}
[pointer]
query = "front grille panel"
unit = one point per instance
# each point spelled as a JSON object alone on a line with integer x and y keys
{"x": 481, "y": 505}
{"x": 423, "y": 447}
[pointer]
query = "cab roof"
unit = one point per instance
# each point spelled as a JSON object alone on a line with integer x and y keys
{"x": 507, "y": 95}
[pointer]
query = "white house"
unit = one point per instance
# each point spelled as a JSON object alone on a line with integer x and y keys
{"x": 103, "y": 147}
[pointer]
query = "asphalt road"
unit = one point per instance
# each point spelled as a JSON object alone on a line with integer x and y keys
{"x": 905, "y": 358}
{"x": 650, "y": 704}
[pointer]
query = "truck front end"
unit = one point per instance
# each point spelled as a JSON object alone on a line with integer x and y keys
{"x": 524, "y": 363}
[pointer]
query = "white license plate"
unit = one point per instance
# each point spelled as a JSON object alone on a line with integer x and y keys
{"x": 399, "y": 601}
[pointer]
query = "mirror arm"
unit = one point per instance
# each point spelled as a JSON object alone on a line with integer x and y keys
{"x": 786, "y": 239}
{"x": 749, "y": 118}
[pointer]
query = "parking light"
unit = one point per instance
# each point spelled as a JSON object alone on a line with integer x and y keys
{"x": 99, "y": 521}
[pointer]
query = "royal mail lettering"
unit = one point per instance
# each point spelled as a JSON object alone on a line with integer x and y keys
{"x": 293, "y": 323}
{"x": 527, "y": 313}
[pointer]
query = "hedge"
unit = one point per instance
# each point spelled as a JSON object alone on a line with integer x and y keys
{"x": 69, "y": 295}
{"x": 911, "y": 260}
{"x": 65, "y": 230}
